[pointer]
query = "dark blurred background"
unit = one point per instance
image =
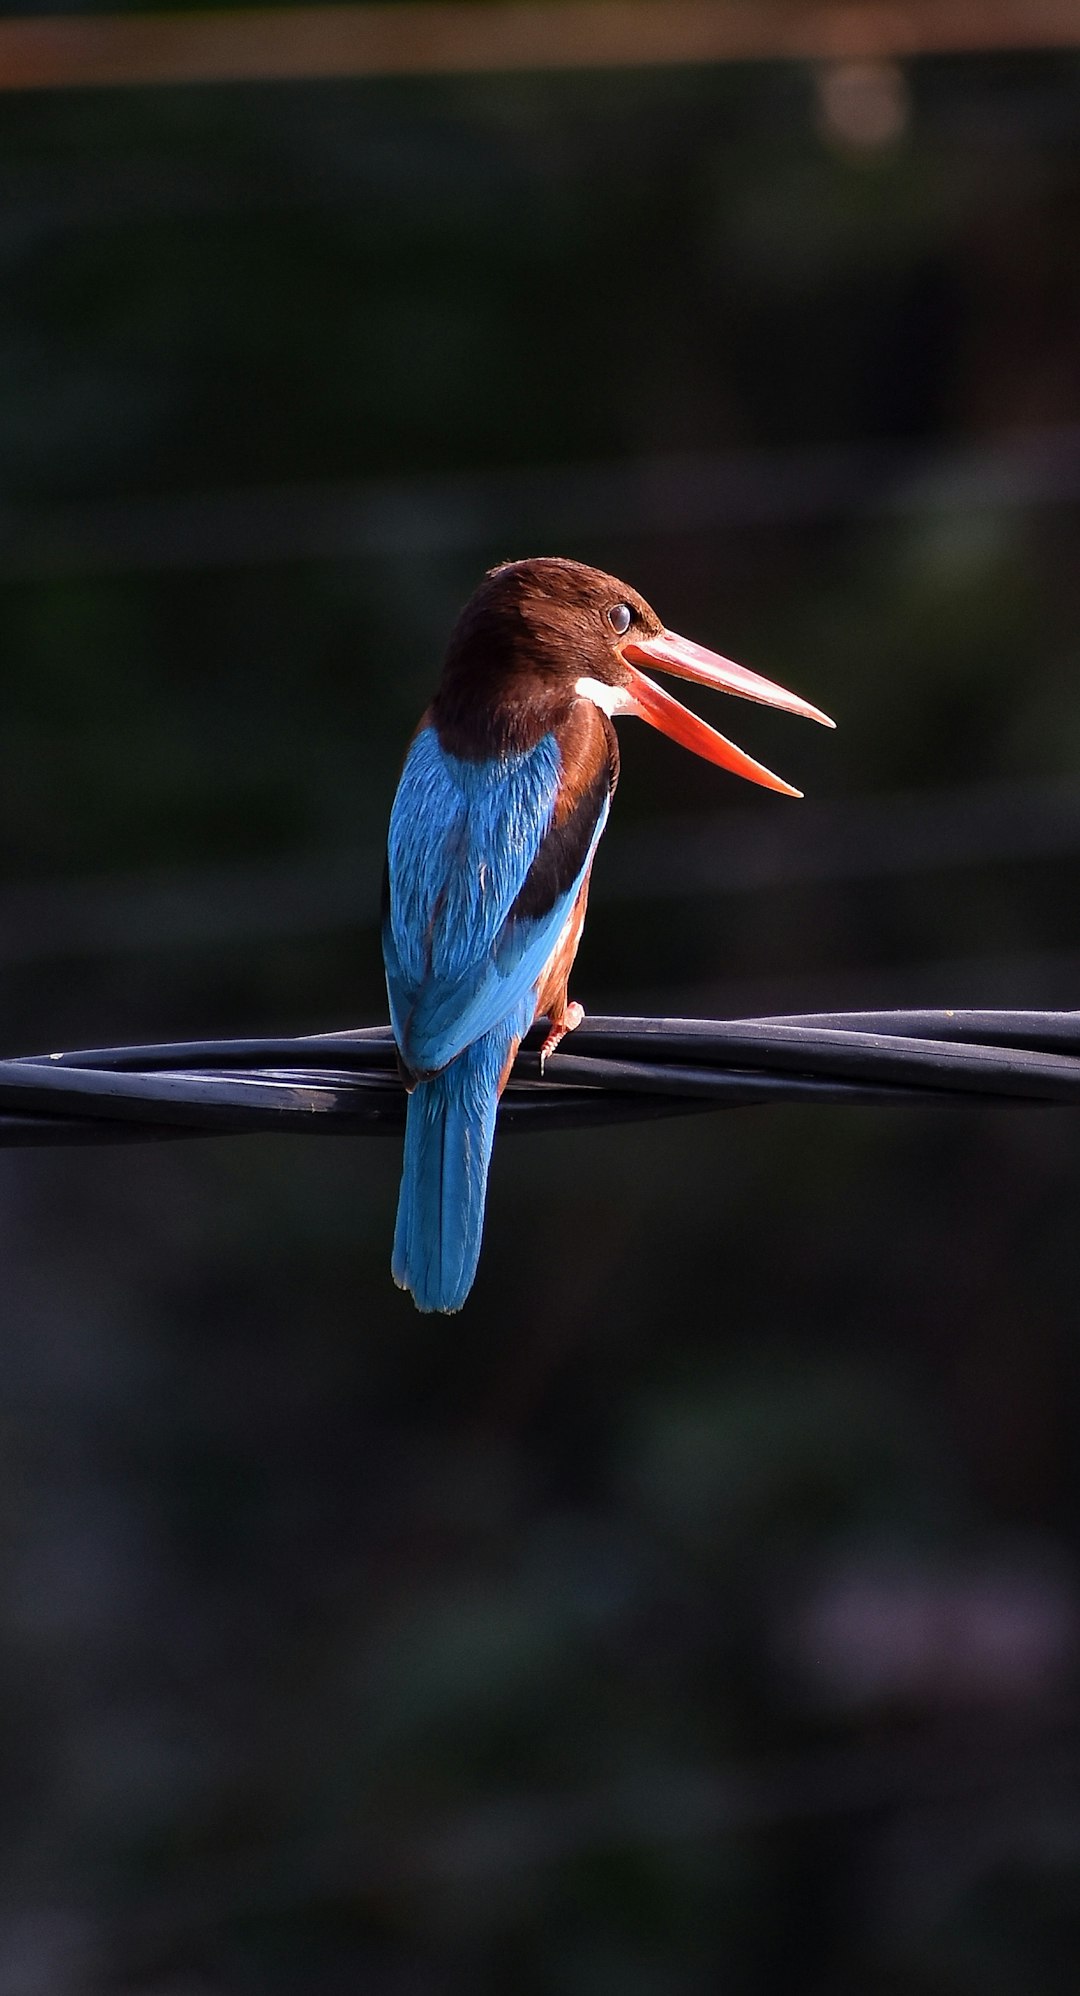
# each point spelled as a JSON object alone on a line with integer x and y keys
{"x": 699, "y": 1610}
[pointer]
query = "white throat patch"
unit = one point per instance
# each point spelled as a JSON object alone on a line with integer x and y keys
{"x": 609, "y": 699}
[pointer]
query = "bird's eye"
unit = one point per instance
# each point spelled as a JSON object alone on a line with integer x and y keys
{"x": 619, "y": 619}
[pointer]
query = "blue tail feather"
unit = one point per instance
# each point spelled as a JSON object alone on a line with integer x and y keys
{"x": 448, "y": 1140}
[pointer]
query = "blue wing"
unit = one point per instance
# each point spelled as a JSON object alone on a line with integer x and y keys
{"x": 460, "y": 959}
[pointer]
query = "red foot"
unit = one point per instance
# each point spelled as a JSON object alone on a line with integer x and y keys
{"x": 571, "y": 1018}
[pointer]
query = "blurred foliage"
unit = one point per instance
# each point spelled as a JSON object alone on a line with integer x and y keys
{"x": 344, "y": 1650}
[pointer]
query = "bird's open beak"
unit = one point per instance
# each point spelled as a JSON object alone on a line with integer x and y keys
{"x": 690, "y": 661}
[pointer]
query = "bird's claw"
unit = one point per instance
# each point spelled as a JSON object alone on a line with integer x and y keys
{"x": 570, "y": 1020}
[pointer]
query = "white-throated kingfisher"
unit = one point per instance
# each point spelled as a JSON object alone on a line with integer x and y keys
{"x": 502, "y": 800}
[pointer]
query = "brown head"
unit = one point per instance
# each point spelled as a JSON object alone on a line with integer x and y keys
{"x": 540, "y": 635}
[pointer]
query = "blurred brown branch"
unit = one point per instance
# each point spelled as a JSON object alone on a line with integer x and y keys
{"x": 419, "y": 38}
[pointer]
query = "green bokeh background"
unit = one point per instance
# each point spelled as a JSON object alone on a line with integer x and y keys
{"x": 697, "y": 1611}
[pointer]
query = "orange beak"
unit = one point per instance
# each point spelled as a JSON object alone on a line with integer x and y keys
{"x": 690, "y": 661}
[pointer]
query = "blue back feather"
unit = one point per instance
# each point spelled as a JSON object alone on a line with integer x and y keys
{"x": 462, "y": 980}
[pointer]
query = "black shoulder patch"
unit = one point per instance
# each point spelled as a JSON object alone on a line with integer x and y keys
{"x": 562, "y": 855}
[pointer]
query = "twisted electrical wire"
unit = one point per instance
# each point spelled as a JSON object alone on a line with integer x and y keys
{"x": 613, "y": 1070}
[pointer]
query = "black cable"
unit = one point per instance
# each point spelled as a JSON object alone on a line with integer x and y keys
{"x": 612, "y": 1070}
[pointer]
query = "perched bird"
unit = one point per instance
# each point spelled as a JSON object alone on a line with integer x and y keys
{"x": 503, "y": 797}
